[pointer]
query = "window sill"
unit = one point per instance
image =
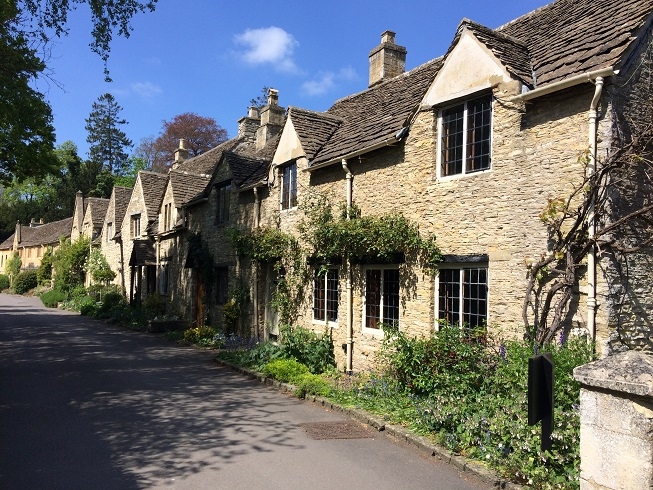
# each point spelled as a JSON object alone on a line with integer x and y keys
{"x": 324, "y": 323}
{"x": 449, "y": 178}
{"x": 375, "y": 332}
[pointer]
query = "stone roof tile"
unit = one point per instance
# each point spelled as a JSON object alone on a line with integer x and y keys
{"x": 570, "y": 37}
{"x": 47, "y": 234}
{"x": 375, "y": 115}
{"x": 121, "y": 196}
{"x": 153, "y": 186}
{"x": 313, "y": 128}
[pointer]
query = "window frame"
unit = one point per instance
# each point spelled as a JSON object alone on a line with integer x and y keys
{"x": 382, "y": 297}
{"x": 321, "y": 282}
{"x": 135, "y": 219}
{"x": 223, "y": 202}
{"x": 464, "y": 143}
{"x": 109, "y": 231}
{"x": 288, "y": 197}
{"x": 462, "y": 299}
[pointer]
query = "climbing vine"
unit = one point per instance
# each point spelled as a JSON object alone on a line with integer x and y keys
{"x": 329, "y": 236}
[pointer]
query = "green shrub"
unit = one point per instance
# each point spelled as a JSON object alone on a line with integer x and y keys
{"x": 202, "y": 335}
{"x": 311, "y": 384}
{"x": 4, "y": 282}
{"x": 153, "y": 306}
{"x": 477, "y": 405}
{"x": 52, "y": 298}
{"x": 285, "y": 370}
{"x": 44, "y": 272}
{"x": 25, "y": 281}
{"x": 304, "y": 345}
{"x": 88, "y": 306}
{"x": 68, "y": 263}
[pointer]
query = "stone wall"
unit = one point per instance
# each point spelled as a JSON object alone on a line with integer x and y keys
{"x": 616, "y": 422}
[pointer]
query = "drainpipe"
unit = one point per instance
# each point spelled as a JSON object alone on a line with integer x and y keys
{"x": 350, "y": 325}
{"x": 257, "y": 223}
{"x": 591, "y": 255}
{"x": 157, "y": 245}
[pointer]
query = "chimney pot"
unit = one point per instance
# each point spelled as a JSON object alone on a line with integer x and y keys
{"x": 181, "y": 153}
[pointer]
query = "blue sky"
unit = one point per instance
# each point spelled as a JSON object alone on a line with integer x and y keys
{"x": 211, "y": 57}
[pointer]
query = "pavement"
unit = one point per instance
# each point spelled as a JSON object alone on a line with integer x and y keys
{"x": 85, "y": 404}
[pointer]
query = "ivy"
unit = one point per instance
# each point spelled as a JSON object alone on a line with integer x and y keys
{"x": 348, "y": 234}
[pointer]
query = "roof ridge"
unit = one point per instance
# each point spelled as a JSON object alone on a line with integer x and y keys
{"x": 496, "y": 32}
{"x": 390, "y": 80}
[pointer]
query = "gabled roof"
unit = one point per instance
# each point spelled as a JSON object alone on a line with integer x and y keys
{"x": 313, "y": 128}
{"x": 512, "y": 53}
{"x": 153, "y": 186}
{"x": 571, "y": 37}
{"x": 186, "y": 186}
{"x": 47, "y": 234}
{"x": 121, "y": 195}
{"x": 246, "y": 171}
{"x": 374, "y": 116}
{"x": 206, "y": 162}
{"x": 98, "y": 207}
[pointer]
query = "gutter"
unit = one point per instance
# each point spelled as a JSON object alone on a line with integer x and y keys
{"x": 563, "y": 84}
{"x": 591, "y": 218}
{"x": 389, "y": 142}
{"x": 350, "y": 298}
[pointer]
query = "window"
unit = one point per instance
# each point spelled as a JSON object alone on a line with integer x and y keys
{"x": 223, "y": 192}
{"x": 109, "y": 232}
{"x": 167, "y": 217}
{"x": 462, "y": 295}
{"x": 136, "y": 225}
{"x": 221, "y": 285}
{"x": 163, "y": 277}
{"x": 381, "y": 297}
{"x": 325, "y": 296}
{"x": 289, "y": 187}
{"x": 465, "y": 137}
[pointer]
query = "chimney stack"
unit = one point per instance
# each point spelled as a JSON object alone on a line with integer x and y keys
{"x": 181, "y": 153}
{"x": 271, "y": 120}
{"x": 387, "y": 60}
{"x": 248, "y": 125}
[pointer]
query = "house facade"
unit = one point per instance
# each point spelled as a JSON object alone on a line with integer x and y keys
{"x": 478, "y": 147}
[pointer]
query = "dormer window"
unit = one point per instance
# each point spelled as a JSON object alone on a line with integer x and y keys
{"x": 289, "y": 186}
{"x": 465, "y": 136}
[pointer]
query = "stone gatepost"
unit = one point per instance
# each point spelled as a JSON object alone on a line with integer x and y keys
{"x": 616, "y": 422}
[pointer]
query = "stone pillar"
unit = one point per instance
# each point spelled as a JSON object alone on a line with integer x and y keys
{"x": 616, "y": 422}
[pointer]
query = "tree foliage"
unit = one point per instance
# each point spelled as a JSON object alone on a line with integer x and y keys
{"x": 27, "y": 27}
{"x": 68, "y": 263}
{"x": 108, "y": 143}
{"x": 26, "y": 131}
{"x": 201, "y": 134}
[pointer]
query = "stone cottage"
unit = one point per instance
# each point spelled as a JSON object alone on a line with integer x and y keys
{"x": 32, "y": 241}
{"x": 110, "y": 238}
{"x": 473, "y": 146}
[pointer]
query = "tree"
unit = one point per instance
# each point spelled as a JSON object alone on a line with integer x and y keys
{"x": 201, "y": 134}
{"x": 26, "y": 131}
{"x": 609, "y": 211}
{"x": 27, "y": 27}
{"x": 135, "y": 165}
{"x": 107, "y": 140}
{"x": 262, "y": 100}
{"x": 146, "y": 151}
{"x": 13, "y": 266}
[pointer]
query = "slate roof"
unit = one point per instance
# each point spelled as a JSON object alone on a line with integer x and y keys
{"x": 143, "y": 253}
{"x": 246, "y": 171}
{"x": 571, "y": 37}
{"x": 206, "y": 162}
{"x": 98, "y": 209}
{"x": 153, "y": 186}
{"x": 187, "y": 186}
{"x": 47, "y": 234}
{"x": 313, "y": 128}
{"x": 122, "y": 195}
{"x": 375, "y": 115}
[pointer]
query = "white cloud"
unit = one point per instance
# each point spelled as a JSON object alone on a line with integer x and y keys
{"x": 325, "y": 81}
{"x": 146, "y": 89}
{"x": 270, "y": 45}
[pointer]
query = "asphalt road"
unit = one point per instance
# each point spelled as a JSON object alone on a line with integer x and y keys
{"x": 86, "y": 405}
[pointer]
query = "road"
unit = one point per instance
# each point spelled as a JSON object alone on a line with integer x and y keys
{"x": 88, "y": 405}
